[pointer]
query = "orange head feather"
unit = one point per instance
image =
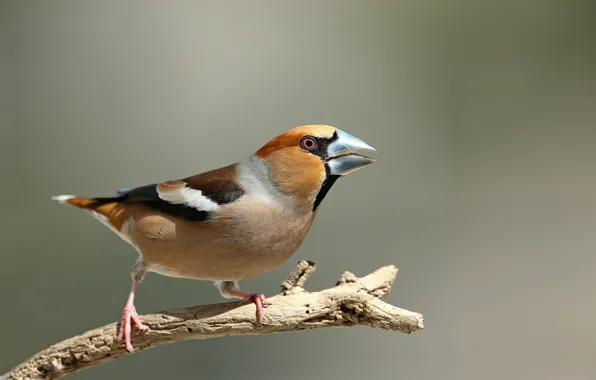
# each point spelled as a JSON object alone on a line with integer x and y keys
{"x": 292, "y": 138}
{"x": 295, "y": 168}
{"x": 305, "y": 161}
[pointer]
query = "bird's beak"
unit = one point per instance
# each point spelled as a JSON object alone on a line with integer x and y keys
{"x": 346, "y": 154}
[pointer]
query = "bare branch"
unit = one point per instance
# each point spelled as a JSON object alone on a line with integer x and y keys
{"x": 353, "y": 301}
{"x": 295, "y": 281}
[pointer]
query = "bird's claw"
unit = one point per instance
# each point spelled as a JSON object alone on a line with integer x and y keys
{"x": 130, "y": 316}
{"x": 259, "y": 301}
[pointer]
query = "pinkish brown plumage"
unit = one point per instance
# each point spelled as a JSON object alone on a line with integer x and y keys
{"x": 231, "y": 223}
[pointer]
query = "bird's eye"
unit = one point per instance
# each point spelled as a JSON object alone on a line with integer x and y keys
{"x": 308, "y": 143}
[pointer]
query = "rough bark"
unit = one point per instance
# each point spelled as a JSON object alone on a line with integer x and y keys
{"x": 351, "y": 302}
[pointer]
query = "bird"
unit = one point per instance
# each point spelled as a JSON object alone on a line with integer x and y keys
{"x": 231, "y": 223}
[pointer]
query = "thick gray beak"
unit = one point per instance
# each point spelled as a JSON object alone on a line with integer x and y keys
{"x": 345, "y": 154}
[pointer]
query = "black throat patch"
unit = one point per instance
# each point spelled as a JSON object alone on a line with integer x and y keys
{"x": 325, "y": 187}
{"x": 330, "y": 179}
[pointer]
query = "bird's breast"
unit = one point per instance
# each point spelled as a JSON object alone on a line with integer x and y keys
{"x": 245, "y": 239}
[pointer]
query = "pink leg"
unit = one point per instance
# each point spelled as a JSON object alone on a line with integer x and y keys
{"x": 258, "y": 299}
{"x": 130, "y": 316}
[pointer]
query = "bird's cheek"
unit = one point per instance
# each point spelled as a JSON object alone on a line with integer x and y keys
{"x": 297, "y": 173}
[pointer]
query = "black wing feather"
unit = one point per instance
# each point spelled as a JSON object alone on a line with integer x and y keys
{"x": 217, "y": 185}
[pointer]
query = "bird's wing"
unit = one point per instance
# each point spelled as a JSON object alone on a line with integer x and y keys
{"x": 195, "y": 198}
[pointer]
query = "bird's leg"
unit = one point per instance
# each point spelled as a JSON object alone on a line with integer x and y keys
{"x": 257, "y": 298}
{"x": 229, "y": 289}
{"x": 129, "y": 314}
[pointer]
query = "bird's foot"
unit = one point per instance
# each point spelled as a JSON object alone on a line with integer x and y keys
{"x": 130, "y": 316}
{"x": 259, "y": 301}
{"x": 229, "y": 289}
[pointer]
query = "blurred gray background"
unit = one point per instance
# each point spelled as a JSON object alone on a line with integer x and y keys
{"x": 484, "y": 194}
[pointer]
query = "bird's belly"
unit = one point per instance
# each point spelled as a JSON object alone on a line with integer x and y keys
{"x": 201, "y": 265}
{"x": 177, "y": 248}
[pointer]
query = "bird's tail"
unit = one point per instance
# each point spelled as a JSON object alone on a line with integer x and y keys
{"x": 100, "y": 205}
{"x": 110, "y": 211}
{"x": 79, "y": 202}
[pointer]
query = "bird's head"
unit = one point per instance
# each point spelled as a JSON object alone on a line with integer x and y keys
{"x": 305, "y": 161}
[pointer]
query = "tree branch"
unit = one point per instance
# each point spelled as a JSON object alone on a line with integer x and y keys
{"x": 352, "y": 301}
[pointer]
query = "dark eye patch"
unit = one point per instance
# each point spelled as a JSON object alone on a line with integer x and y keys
{"x": 321, "y": 145}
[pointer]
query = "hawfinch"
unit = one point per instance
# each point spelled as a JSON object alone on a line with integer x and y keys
{"x": 231, "y": 223}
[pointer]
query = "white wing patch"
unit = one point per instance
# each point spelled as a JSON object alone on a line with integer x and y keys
{"x": 185, "y": 195}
